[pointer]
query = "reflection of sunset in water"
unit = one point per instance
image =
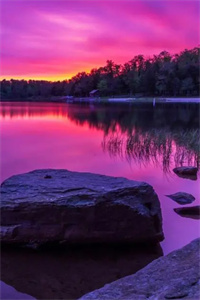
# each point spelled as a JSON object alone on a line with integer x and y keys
{"x": 66, "y": 136}
{"x": 32, "y": 110}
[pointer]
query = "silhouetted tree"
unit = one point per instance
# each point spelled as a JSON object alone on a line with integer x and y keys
{"x": 163, "y": 75}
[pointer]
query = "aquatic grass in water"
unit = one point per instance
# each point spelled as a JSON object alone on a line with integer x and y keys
{"x": 144, "y": 147}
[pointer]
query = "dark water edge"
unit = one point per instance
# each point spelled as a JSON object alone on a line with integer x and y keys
{"x": 73, "y": 272}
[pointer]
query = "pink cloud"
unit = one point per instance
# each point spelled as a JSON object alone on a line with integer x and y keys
{"x": 60, "y": 38}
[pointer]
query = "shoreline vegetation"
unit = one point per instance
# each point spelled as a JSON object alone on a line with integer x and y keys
{"x": 161, "y": 76}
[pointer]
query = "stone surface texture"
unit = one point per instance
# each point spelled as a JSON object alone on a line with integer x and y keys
{"x": 182, "y": 198}
{"x": 71, "y": 207}
{"x": 174, "y": 276}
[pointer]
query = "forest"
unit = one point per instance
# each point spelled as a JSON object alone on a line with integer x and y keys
{"x": 160, "y": 75}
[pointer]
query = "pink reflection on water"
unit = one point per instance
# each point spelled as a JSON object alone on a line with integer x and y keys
{"x": 37, "y": 136}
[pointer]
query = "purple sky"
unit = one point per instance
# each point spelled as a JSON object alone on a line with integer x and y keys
{"x": 52, "y": 39}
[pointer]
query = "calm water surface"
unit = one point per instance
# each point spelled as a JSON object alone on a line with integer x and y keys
{"x": 139, "y": 142}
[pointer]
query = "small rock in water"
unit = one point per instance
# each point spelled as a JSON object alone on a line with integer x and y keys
{"x": 182, "y": 198}
{"x": 186, "y": 172}
{"x": 192, "y": 212}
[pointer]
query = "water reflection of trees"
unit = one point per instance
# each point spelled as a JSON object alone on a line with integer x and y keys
{"x": 22, "y": 110}
{"x": 165, "y": 135}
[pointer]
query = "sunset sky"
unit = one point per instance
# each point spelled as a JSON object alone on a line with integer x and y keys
{"x": 55, "y": 39}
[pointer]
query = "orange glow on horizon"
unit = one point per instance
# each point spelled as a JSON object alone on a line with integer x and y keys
{"x": 46, "y": 78}
{"x": 56, "y": 77}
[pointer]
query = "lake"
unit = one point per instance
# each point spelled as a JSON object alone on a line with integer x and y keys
{"x": 136, "y": 141}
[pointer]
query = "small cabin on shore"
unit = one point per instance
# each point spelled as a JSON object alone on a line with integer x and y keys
{"x": 94, "y": 94}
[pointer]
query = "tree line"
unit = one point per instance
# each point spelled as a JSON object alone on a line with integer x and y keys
{"x": 159, "y": 75}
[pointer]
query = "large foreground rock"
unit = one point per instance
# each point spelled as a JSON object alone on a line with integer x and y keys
{"x": 174, "y": 276}
{"x": 62, "y": 206}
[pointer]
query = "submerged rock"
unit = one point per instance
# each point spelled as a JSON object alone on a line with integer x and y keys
{"x": 182, "y": 198}
{"x": 71, "y": 272}
{"x": 70, "y": 207}
{"x": 192, "y": 212}
{"x": 186, "y": 172}
{"x": 171, "y": 277}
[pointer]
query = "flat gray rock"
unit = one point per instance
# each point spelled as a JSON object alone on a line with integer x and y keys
{"x": 174, "y": 276}
{"x": 182, "y": 198}
{"x": 70, "y": 207}
{"x": 187, "y": 172}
